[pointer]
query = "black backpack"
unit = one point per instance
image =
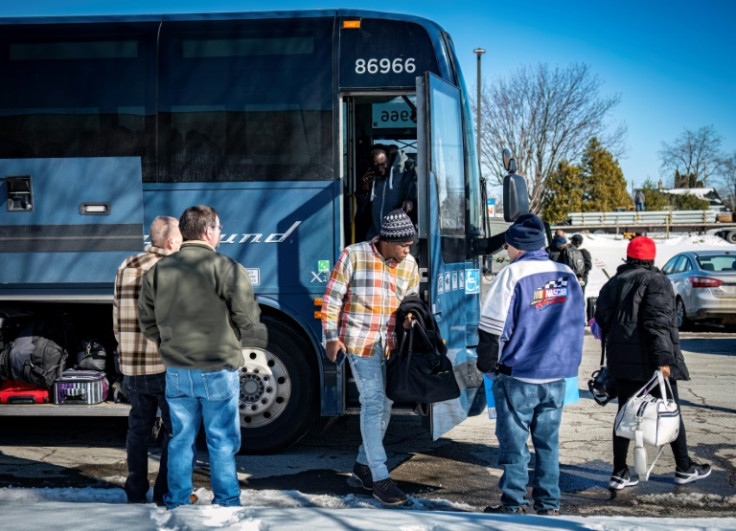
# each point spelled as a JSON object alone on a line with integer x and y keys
{"x": 573, "y": 257}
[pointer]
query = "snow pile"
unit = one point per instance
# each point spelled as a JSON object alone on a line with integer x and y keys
{"x": 609, "y": 251}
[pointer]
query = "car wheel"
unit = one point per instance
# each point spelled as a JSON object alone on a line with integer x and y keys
{"x": 682, "y": 321}
{"x": 278, "y": 389}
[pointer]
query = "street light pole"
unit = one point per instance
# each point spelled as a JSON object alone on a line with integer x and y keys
{"x": 478, "y": 52}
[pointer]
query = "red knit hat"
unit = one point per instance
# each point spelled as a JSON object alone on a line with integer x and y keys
{"x": 641, "y": 248}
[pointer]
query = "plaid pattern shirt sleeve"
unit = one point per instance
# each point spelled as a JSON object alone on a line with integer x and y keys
{"x": 138, "y": 355}
{"x": 364, "y": 291}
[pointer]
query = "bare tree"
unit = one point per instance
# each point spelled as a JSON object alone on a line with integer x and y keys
{"x": 728, "y": 190}
{"x": 544, "y": 116}
{"x": 696, "y": 153}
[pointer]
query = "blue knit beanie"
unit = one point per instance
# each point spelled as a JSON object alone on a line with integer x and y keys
{"x": 527, "y": 233}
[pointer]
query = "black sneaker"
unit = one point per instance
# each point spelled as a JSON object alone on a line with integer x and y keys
{"x": 548, "y": 512}
{"x": 362, "y": 473}
{"x": 388, "y": 493}
{"x": 622, "y": 479}
{"x": 502, "y": 509}
{"x": 694, "y": 473}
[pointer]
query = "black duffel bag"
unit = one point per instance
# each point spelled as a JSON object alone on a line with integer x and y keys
{"x": 419, "y": 375}
{"x": 91, "y": 356}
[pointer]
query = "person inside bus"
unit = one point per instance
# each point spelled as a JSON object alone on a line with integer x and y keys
{"x": 144, "y": 374}
{"x": 383, "y": 270}
{"x": 390, "y": 183}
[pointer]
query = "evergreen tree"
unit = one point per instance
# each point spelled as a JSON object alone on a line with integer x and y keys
{"x": 653, "y": 198}
{"x": 564, "y": 193}
{"x": 604, "y": 186}
{"x": 690, "y": 202}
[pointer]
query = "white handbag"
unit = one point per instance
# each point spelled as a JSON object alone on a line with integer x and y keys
{"x": 646, "y": 419}
{"x": 657, "y": 418}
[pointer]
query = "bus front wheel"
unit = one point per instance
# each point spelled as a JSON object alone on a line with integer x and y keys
{"x": 278, "y": 389}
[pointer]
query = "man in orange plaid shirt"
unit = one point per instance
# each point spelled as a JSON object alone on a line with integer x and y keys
{"x": 359, "y": 306}
{"x": 144, "y": 372}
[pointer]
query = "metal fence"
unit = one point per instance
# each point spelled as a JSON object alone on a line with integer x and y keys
{"x": 664, "y": 217}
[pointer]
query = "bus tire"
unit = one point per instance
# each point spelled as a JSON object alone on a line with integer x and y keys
{"x": 278, "y": 389}
{"x": 730, "y": 236}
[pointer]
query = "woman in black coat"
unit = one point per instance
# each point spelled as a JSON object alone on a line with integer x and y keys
{"x": 636, "y": 312}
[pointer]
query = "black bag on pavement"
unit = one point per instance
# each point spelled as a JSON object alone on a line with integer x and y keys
{"x": 420, "y": 371}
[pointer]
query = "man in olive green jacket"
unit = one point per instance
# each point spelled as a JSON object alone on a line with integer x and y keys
{"x": 196, "y": 305}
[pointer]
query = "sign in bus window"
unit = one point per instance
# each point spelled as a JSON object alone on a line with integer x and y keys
{"x": 393, "y": 114}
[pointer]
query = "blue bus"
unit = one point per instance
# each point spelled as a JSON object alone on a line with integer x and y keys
{"x": 107, "y": 122}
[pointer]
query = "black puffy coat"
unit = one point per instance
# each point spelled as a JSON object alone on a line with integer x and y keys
{"x": 636, "y": 311}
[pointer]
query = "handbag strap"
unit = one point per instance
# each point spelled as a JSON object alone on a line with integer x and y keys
{"x": 664, "y": 385}
{"x": 407, "y": 350}
{"x": 424, "y": 335}
{"x": 648, "y": 386}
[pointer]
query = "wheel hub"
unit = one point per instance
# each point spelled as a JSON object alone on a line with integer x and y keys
{"x": 265, "y": 388}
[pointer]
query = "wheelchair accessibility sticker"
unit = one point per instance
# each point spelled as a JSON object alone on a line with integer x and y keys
{"x": 472, "y": 281}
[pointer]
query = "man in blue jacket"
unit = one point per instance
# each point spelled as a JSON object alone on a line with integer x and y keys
{"x": 531, "y": 339}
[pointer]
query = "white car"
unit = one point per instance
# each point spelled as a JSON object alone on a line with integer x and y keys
{"x": 705, "y": 286}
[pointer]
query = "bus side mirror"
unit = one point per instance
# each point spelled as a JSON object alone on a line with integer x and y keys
{"x": 515, "y": 198}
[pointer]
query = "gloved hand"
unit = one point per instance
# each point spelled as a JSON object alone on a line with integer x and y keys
{"x": 595, "y": 329}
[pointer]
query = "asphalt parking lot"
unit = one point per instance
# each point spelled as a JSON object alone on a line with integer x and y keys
{"x": 456, "y": 472}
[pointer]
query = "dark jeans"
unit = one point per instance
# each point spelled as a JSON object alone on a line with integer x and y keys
{"x": 146, "y": 395}
{"x": 626, "y": 390}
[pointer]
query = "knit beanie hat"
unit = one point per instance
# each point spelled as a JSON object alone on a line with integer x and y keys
{"x": 397, "y": 227}
{"x": 577, "y": 238}
{"x": 527, "y": 233}
{"x": 641, "y": 248}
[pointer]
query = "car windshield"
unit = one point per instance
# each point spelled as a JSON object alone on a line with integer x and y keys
{"x": 717, "y": 263}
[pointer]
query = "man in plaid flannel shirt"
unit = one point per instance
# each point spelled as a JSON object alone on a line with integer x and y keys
{"x": 359, "y": 306}
{"x": 144, "y": 372}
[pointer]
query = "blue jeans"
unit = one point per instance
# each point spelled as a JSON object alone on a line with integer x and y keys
{"x": 375, "y": 410}
{"x": 209, "y": 397}
{"x": 146, "y": 396}
{"x": 523, "y": 408}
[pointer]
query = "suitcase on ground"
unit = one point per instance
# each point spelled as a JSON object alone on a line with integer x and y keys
{"x": 14, "y": 392}
{"x": 80, "y": 387}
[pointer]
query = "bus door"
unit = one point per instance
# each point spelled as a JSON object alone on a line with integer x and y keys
{"x": 453, "y": 283}
{"x": 374, "y": 121}
{"x": 67, "y": 224}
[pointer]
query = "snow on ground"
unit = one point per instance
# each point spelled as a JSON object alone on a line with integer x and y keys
{"x": 609, "y": 251}
{"x": 94, "y": 509}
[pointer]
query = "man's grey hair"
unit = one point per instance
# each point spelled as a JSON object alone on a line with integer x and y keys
{"x": 161, "y": 229}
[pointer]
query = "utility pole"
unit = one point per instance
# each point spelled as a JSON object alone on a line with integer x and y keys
{"x": 478, "y": 52}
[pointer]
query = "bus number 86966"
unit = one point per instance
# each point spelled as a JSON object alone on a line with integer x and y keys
{"x": 385, "y": 65}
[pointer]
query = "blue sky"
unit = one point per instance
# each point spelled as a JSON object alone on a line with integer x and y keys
{"x": 673, "y": 62}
